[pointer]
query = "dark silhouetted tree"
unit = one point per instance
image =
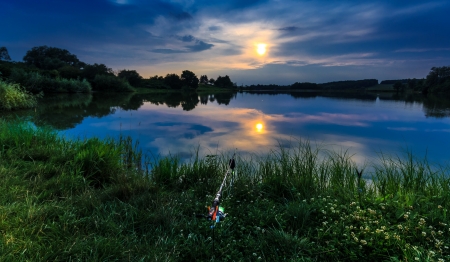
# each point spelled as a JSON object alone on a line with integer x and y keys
{"x": 69, "y": 72}
{"x": 397, "y": 86}
{"x": 224, "y": 81}
{"x": 173, "y": 81}
{"x": 204, "y": 79}
{"x": 4, "y": 54}
{"x": 90, "y": 71}
{"x": 131, "y": 76}
{"x": 189, "y": 79}
{"x": 212, "y": 81}
{"x": 49, "y": 58}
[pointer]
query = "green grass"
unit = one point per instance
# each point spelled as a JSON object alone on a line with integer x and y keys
{"x": 91, "y": 200}
{"x": 12, "y": 96}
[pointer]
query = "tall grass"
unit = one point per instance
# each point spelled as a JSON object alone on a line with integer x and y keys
{"x": 103, "y": 200}
{"x": 12, "y": 96}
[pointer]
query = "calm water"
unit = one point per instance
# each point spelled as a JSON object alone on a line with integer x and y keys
{"x": 365, "y": 125}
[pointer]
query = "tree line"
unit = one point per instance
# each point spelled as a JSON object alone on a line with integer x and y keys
{"x": 51, "y": 69}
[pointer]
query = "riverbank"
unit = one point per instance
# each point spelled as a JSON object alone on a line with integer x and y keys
{"x": 92, "y": 200}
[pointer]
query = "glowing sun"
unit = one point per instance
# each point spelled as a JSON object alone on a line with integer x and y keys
{"x": 259, "y": 126}
{"x": 261, "y": 49}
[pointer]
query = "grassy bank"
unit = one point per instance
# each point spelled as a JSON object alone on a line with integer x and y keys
{"x": 90, "y": 199}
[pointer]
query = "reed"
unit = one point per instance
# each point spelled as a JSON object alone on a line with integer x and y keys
{"x": 92, "y": 199}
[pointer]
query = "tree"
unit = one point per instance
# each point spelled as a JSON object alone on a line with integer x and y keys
{"x": 156, "y": 77}
{"x": 397, "y": 86}
{"x": 438, "y": 75}
{"x": 212, "y": 81}
{"x": 69, "y": 72}
{"x": 131, "y": 76}
{"x": 90, "y": 71}
{"x": 189, "y": 79}
{"x": 204, "y": 79}
{"x": 224, "y": 82}
{"x": 50, "y": 58}
{"x": 4, "y": 54}
{"x": 173, "y": 81}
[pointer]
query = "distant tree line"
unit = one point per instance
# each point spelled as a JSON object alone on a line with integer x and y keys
{"x": 51, "y": 69}
{"x": 338, "y": 85}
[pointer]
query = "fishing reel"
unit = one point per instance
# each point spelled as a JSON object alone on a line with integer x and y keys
{"x": 216, "y": 212}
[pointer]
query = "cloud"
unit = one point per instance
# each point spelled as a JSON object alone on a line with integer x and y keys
{"x": 288, "y": 28}
{"x": 197, "y": 46}
{"x": 166, "y": 36}
{"x": 183, "y": 16}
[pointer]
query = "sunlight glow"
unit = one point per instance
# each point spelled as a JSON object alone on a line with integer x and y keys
{"x": 259, "y": 127}
{"x": 261, "y": 49}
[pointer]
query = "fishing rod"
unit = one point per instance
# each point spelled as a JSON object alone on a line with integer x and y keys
{"x": 215, "y": 213}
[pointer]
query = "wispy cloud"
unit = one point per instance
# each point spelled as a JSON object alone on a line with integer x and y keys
{"x": 164, "y": 36}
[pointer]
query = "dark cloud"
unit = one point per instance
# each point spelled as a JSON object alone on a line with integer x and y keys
{"x": 186, "y": 38}
{"x": 288, "y": 28}
{"x": 198, "y": 46}
{"x": 214, "y": 28}
{"x": 183, "y": 16}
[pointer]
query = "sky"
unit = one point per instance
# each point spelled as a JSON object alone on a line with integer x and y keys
{"x": 254, "y": 42}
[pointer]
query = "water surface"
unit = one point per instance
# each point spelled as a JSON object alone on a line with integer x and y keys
{"x": 179, "y": 123}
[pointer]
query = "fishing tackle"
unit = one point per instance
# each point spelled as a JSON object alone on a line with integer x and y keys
{"x": 215, "y": 212}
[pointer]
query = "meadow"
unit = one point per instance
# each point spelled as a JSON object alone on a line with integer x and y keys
{"x": 96, "y": 200}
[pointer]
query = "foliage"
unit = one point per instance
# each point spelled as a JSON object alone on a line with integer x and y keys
{"x": 438, "y": 80}
{"x": 349, "y": 84}
{"x": 111, "y": 83}
{"x": 89, "y": 72}
{"x": 224, "y": 82}
{"x": 93, "y": 200}
{"x": 12, "y": 96}
{"x": 131, "y": 76}
{"x": 204, "y": 79}
{"x": 50, "y": 58}
{"x": 173, "y": 81}
{"x": 305, "y": 85}
{"x": 391, "y": 82}
{"x": 397, "y": 86}
{"x": 189, "y": 79}
{"x": 36, "y": 83}
{"x": 4, "y": 55}
{"x": 69, "y": 72}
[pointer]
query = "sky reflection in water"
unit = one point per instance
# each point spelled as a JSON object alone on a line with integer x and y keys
{"x": 363, "y": 127}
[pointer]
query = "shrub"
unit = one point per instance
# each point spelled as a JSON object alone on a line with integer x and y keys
{"x": 12, "y": 96}
{"x": 111, "y": 83}
{"x": 35, "y": 82}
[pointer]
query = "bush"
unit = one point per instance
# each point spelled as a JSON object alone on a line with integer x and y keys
{"x": 35, "y": 82}
{"x": 111, "y": 83}
{"x": 12, "y": 96}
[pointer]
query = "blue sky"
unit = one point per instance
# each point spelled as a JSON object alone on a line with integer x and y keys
{"x": 304, "y": 41}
